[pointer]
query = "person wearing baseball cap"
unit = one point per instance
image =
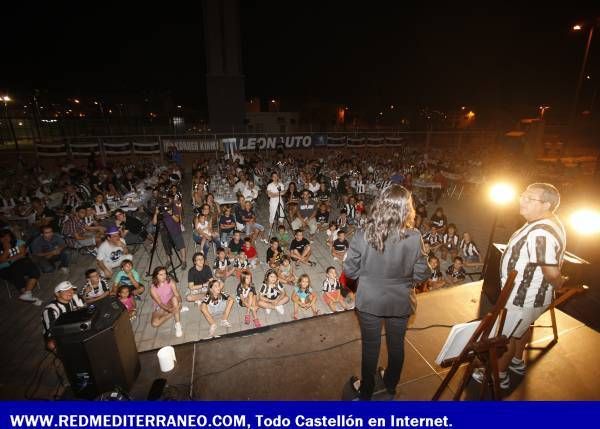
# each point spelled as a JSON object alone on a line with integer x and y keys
{"x": 112, "y": 252}
{"x": 65, "y": 301}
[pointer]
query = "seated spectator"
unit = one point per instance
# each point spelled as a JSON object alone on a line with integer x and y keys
{"x": 285, "y": 271}
{"x": 449, "y": 242}
{"x": 283, "y": 236}
{"x": 223, "y": 266}
{"x": 434, "y": 239}
{"x": 198, "y": 277}
{"x": 95, "y": 288}
{"x": 272, "y": 295}
{"x": 274, "y": 253}
{"x": 226, "y": 226}
{"x": 132, "y": 229}
{"x": 17, "y": 268}
{"x": 76, "y": 233}
{"x": 250, "y": 251}
{"x": 234, "y": 247}
{"x": 248, "y": 218}
{"x": 340, "y": 246}
{"x": 101, "y": 210}
{"x": 332, "y": 231}
{"x": 49, "y": 248}
{"x": 292, "y": 195}
{"x": 351, "y": 210}
{"x": 126, "y": 298}
{"x": 65, "y": 301}
{"x": 128, "y": 182}
{"x": 456, "y": 273}
{"x": 308, "y": 212}
{"x": 303, "y": 297}
{"x": 251, "y": 192}
{"x": 216, "y": 303}
{"x": 436, "y": 279}
{"x": 332, "y": 291}
{"x": 322, "y": 217}
{"x": 112, "y": 252}
{"x": 300, "y": 250}
{"x": 203, "y": 234}
{"x": 439, "y": 220}
{"x": 128, "y": 276}
{"x": 42, "y": 216}
{"x": 469, "y": 251}
{"x": 167, "y": 301}
{"x": 70, "y": 197}
{"x": 246, "y": 298}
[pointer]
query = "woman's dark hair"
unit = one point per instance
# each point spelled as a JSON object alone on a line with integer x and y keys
{"x": 392, "y": 212}
{"x": 268, "y": 273}
{"x": 155, "y": 275}
{"x": 13, "y": 237}
{"x": 245, "y": 274}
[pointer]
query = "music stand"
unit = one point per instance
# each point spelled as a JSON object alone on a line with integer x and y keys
{"x": 482, "y": 347}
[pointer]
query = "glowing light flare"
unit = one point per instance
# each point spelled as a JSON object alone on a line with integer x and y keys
{"x": 577, "y": 27}
{"x": 470, "y": 115}
{"x": 5, "y": 98}
{"x": 502, "y": 193}
{"x": 586, "y": 221}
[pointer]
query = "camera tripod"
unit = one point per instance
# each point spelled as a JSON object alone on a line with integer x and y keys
{"x": 280, "y": 213}
{"x": 169, "y": 248}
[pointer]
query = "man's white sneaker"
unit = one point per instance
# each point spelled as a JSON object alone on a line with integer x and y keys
{"x": 178, "y": 330}
{"x": 479, "y": 374}
{"x": 225, "y": 323}
{"x": 280, "y": 309}
{"x": 268, "y": 310}
{"x": 28, "y": 297}
{"x": 64, "y": 270}
{"x": 517, "y": 366}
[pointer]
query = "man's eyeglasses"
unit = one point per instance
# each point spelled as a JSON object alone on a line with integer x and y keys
{"x": 528, "y": 198}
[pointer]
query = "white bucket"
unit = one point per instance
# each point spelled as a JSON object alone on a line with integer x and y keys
{"x": 166, "y": 358}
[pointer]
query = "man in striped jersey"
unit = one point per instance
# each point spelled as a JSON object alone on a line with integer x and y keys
{"x": 66, "y": 300}
{"x": 536, "y": 252}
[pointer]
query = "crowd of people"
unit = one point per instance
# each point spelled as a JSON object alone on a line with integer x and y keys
{"x": 50, "y": 217}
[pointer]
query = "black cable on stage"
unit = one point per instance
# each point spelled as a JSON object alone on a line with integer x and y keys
{"x": 285, "y": 356}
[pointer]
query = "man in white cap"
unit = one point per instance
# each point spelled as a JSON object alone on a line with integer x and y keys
{"x": 65, "y": 301}
{"x": 112, "y": 252}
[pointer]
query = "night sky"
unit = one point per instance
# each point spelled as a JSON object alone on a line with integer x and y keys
{"x": 369, "y": 54}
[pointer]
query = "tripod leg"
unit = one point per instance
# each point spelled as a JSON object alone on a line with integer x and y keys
{"x": 153, "y": 251}
{"x": 465, "y": 379}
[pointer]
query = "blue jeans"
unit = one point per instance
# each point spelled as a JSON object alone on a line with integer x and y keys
{"x": 370, "y": 329}
{"x": 48, "y": 265}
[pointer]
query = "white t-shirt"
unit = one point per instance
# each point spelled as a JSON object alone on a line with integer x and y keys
{"x": 111, "y": 255}
{"x": 275, "y": 188}
{"x": 314, "y": 187}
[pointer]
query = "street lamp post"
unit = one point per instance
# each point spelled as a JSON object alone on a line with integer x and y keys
{"x": 6, "y": 99}
{"x": 581, "y": 72}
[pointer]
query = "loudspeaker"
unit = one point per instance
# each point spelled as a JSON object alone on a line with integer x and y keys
{"x": 103, "y": 357}
{"x": 491, "y": 277}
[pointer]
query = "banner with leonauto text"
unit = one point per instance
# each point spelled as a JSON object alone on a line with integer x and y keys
{"x": 259, "y": 415}
{"x": 274, "y": 142}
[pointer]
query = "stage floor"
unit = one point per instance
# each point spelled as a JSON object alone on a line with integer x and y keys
{"x": 313, "y": 359}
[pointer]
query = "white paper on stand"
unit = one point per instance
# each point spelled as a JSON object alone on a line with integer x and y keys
{"x": 457, "y": 340}
{"x": 166, "y": 358}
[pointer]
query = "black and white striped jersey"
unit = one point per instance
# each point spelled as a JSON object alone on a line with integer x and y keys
{"x": 53, "y": 311}
{"x": 469, "y": 249}
{"x": 534, "y": 245}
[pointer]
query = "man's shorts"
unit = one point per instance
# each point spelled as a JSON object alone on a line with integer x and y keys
{"x": 518, "y": 319}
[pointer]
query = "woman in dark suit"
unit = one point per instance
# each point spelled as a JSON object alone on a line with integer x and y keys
{"x": 388, "y": 258}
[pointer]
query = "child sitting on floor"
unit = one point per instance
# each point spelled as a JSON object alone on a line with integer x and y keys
{"x": 303, "y": 296}
{"x": 331, "y": 291}
{"x": 250, "y": 251}
{"x": 456, "y": 273}
{"x": 285, "y": 271}
{"x": 223, "y": 267}
{"x": 127, "y": 300}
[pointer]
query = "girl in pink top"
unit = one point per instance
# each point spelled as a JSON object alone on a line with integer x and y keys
{"x": 126, "y": 299}
{"x": 167, "y": 301}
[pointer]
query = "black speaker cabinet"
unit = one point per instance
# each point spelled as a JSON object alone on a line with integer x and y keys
{"x": 102, "y": 357}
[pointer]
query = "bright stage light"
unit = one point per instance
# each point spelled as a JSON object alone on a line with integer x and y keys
{"x": 502, "y": 193}
{"x": 586, "y": 221}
